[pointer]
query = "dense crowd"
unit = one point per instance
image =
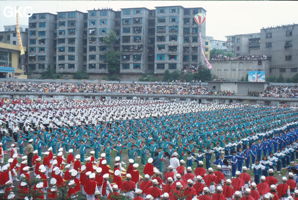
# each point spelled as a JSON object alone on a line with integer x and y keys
{"x": 89, "y": 87}
{"x": 145, "y": 150}
{"x": 242, "y": 58}
{"x": 281, "y": 91}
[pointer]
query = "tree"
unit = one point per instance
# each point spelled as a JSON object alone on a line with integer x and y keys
{"x": 216, "y": 52}
{"x": 295, "y": 78}
{"x": 280, "y": 79}
{"x": 112, "y": 56}
{"x": 203, "y": 74}
{"x": 171, "y": 76}
{"x": 50, "y": 74}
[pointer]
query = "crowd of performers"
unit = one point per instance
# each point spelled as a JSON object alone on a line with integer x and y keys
{"x": 163, "y": 150}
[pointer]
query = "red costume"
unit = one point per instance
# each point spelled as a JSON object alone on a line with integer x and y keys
{"x": 70, "y": 158}
{"x": 255, "y": 194}
{"x": 263, "y": 188}
{"x": 154, "y": 191}
{"x": 189, "y": 193}
{"x": 181, "y": 170}
{"x": 228, "y": 191}
{"x": 237, "y": 183}
{"x": 245, "y": 177}
{"x": 148, "y": 169}
{"x": 271, "y": 180}
{"x": 90, "y": 187}
{"x": 200, "y": 171}
{"x": 199, "y": 187}
{"x": 282, "y": 189}
{"x": 128, "y": 186}
{"x": 135, "y": 175}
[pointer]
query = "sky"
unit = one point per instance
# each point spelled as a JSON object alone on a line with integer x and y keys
{"x": 223, "y": 17}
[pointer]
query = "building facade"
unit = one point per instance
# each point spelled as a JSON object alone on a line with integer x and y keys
{"x": 244, "y": 44}
{"x": 280, "y": 45}
{"x": 41, "y": 42}
{"x": 70, "y": 42}
{"x": 9, "y": 35}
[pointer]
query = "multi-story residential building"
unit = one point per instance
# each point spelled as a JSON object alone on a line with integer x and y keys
{"x": 100, "y": 24}
{"x": 280, "y": 45}
{"x": 41, "y": 42}
{"x": 244, "y": 44}
{"x": 217, "y": 44}
{"x": 134, "y": 40}
{"x": 70, "y": 42}
{"x": 9, "y": 35}
{"x": 168, "y": 39}
{"x": 192, "y": 56}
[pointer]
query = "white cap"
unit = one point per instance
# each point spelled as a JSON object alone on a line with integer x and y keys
{"x": 83, "y": 167}
{"x": 67, "y": 166}
{"x": 291, "y": 174}
{"x": 175, "y": 154}
{"x": 253, "y": 184}
{"x": 71, "y": 182}
{"x": 31, "y": 140}
{"x": 189, "y": 169}
{"x": 150, "y": 160}
{"x": 228, "y": 181}
{"x": 117, "y": 158}
{"x": 206, "y": 189}
{"x": 60, "y": 153}
{"x": 117, "y": 173}
{"x": 115, "y": 187}
{"x": 60, "y": 149}
{"x": 178, "y": 175}
{"x": 247, "y": 190}
{"x": 11, "y": 195}
{"x": 136, "y": 165}
{"x": 92, "y": 175}
{"x": 39, "y": 185}
{"x": 26, "y": 168}
{"x": 178, "y": 184}
{"x": 238, "y": 193}
{"x": 263, "y": 178}
{"x": 154, "y": 181}
{"x": 24, "y": 157}
{"x": 244, "y": 168}
{"x": 190, "y": 181}
{"x": 98, "y": 169}
{"x": 166, "y": 195}
{"x": 70, "y": 150}
{"x": 130, "y": 160}
{"x": 53, "y": 181}
{"x": 238, "y": 173}
{"x": 74, "y": 173}
{"x": 106, "y": 176}
{"x": 138, "y": 191}
{"x": 273, "y": 187}
{"x": 77, "y": 156}
{"x": 182, "y": 162}
{"x": 201, "y": 162}
{"x": 147, "y": 176}
{"x": 219, "y": 188}
{"x": 149, "y": 197}
{"x": 102, "y": 155}
{"x": 23, "y": 184}
{"x": 92, "y": 152}
{"x": 128, "y": 175}
{"x": 284, "y": 178}
{"x": 170, "y": 179}
{"x": 270, "y": 171}
{"x": 210, "y": 169}
{"x": 199, "y": 177}
{"x": 10, "y": 160}
{"x": 104, "y": 162}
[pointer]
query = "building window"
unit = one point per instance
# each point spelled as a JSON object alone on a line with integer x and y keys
{"x": 293, "y": 69}
{"x": 282, "y": 70}
{"x": 42, "y": 24}
{"x": 173, "y": 38}
{"x": 41, "y": 58}
{"x": 125, "y": 66}
{"x": 103, "y": 21}
{"x": 61, "y": 32}
{"x": 194, "y": 57}
{"x": 61, "y": 41}
{"x": 269, "y": 58}
{"x": 186, "y": 39}
{"x": 41, "y": 33}
{"x": 160, "y": 66}
{"x": 71, "y": 66}
{"x": 61, "y": 66}
{"x": 173, "y": 48}
{"x": 137, "y": 29}
{"x": 71, "y": 49}
{"x": 161, "y": 19}
{"x": 71, "y": 40}
{"x": 92, "y": 22}
{"x": 288, "y": 57}
{"x": 61, "y": 23}
{"x": 92, "y": 13}
{"x": 172, "y": 66}
{"x": 125, "y": 57}
{"x": 173, "y": 29}
{"x": 103, "y": 13}
{"x": 32, "y": 41}
{"x": 206, "y": 49}
{"x": 126, "y": 11}
{"x": 185, "y": 58}
{"x": 41, "y": 50}
{"x": 61, "y": 49}
{"x": 173, "y": 10}
{"x": 61, "y": 58}
{"x": 160, "y": 56}
{"x": 41, "y": 66}
{"x": 71, "y": 23}
{"x": 126, "y": 30}
{"x": 186, "y": 30}
{"x": 137, "y": 20}
{"x": 136, "y": 66}
{"x": 71, "y": 31}
{"x": 194, "y": 39}
{"x": 61, "y": 15}
{"x": 92, "y": 66}
{"x": 269, "y": 35}
{"x": 92, "y": 57}
{"x": 289, "y": 33}
{"x": 92, "y": 31}
{"x": 194, "y": 30}
{"x": 161, "y": 10}
{"x": 42, "y": 16}
{"x": 173, "y": 20}
{"x": 32, "y": 49}
{"x": 160, "y": 29}
{"x": 125, "y": 39}
{"x": 32, "y": 66}
{"x": 32, "y": 25}
{"x": 102, "y": 31}
{"x": 268, "y": 45}
{"x": 137, "y": 11}
{"x": 161, "y": 39}
{"x": 161, "y": 47}
{"x": 137, "y": 57}
{"x": 102, "y": 66}
{"x": 71, "y": 57}
{"x": 288, "y": 44}
{"x": 92, "y": 48}
{"x": 172, "y": 57}
{"x": 42, "y": 41}
{"x": 137, "y": 39}
{"x": 102, "y": 57}
{"x": 71, "y": 15}
{"x": 102, "y": 48}
{"x": 32, "y": 33}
